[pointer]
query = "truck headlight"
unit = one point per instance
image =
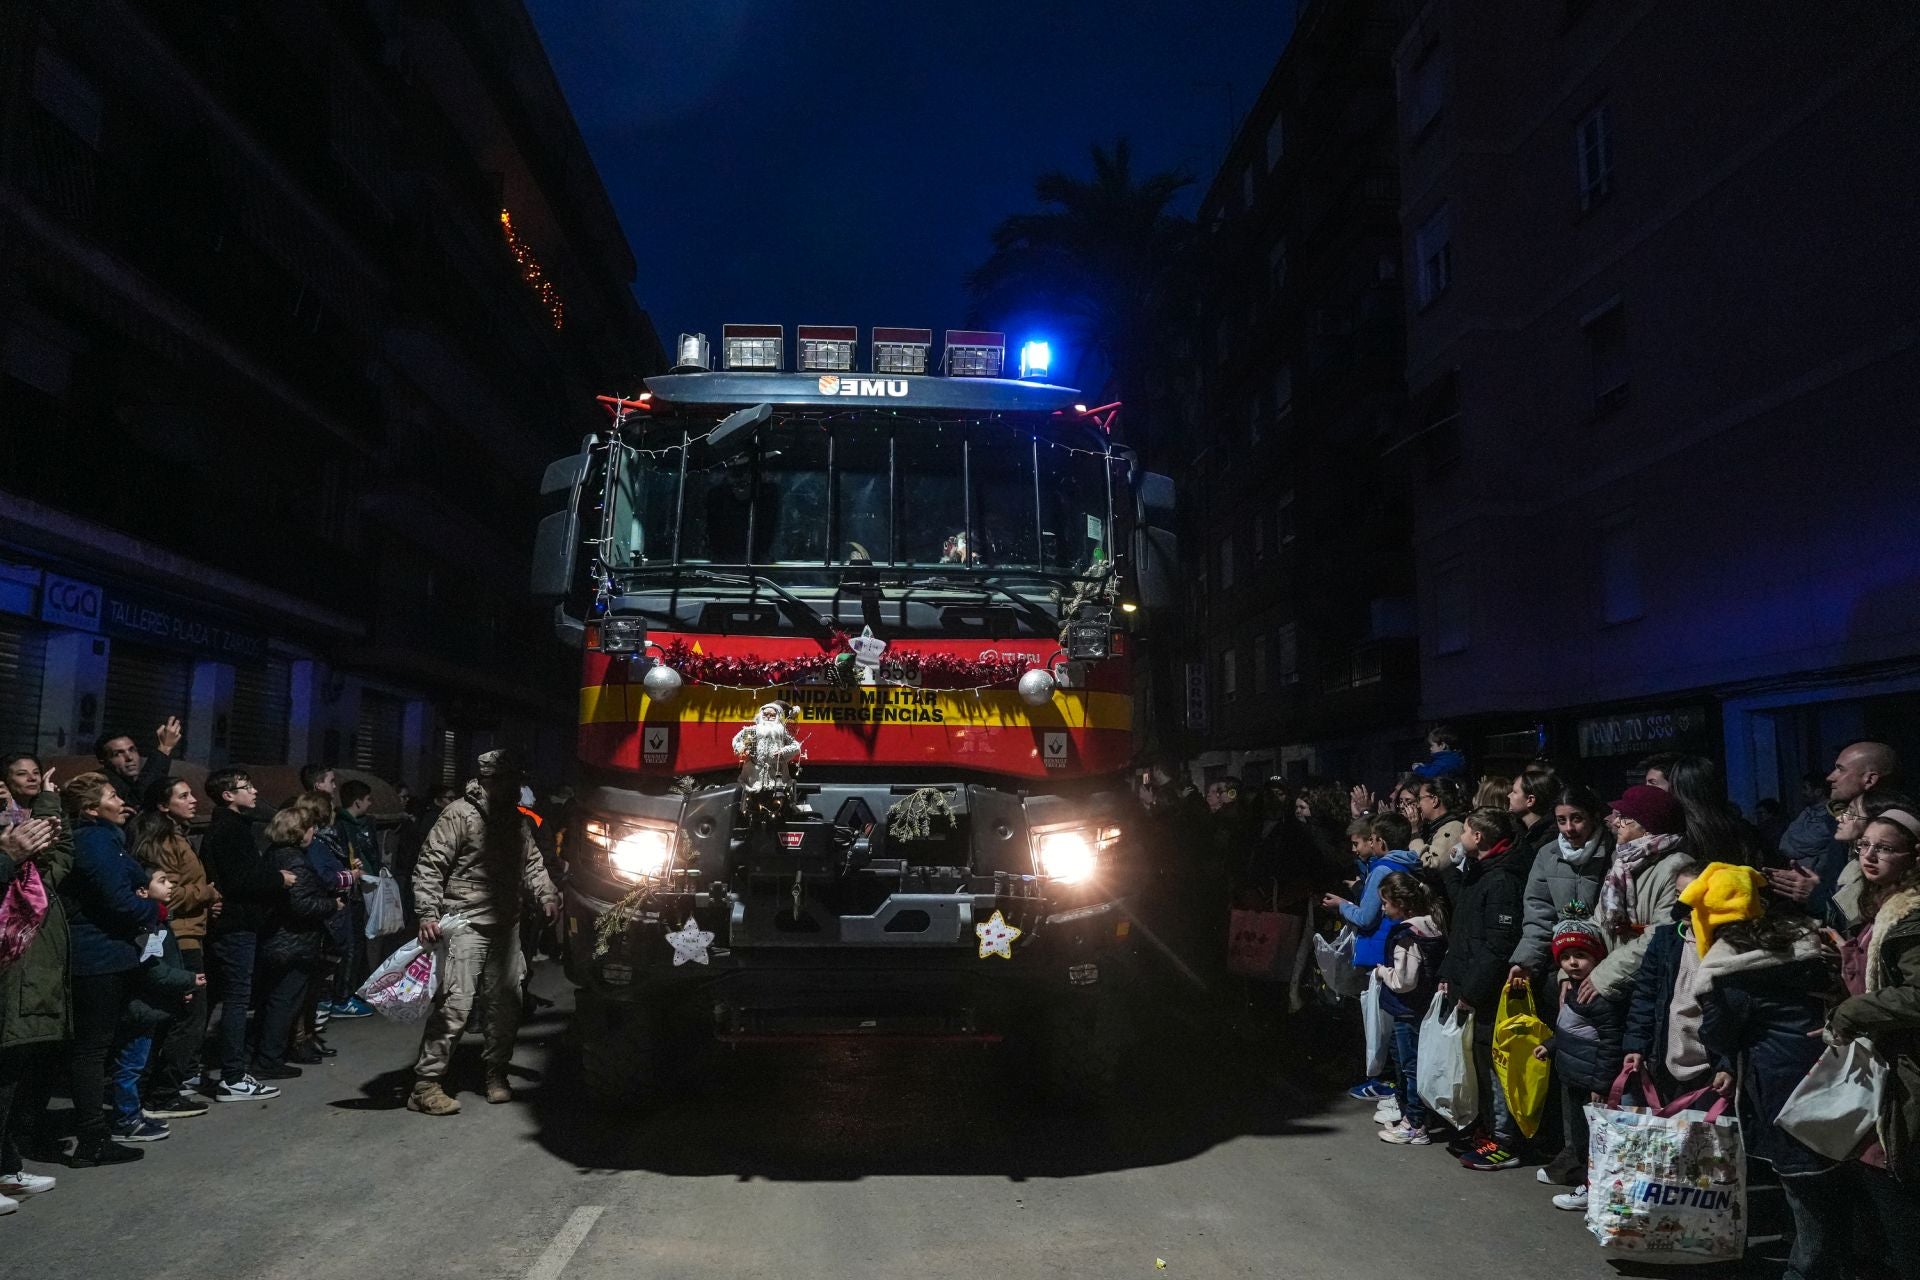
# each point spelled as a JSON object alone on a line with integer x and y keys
{"x": 634, "y": 851}
{"x": 1072, "y": 854}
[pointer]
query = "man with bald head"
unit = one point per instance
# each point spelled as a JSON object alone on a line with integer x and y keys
{"x": 1862, "y": 769}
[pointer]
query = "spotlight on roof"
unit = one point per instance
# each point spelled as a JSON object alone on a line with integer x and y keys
{"x": 975, "y": 353}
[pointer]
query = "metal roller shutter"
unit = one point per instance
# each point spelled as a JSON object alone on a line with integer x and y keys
{"x": 376, "y": 741}
{"x": 144, "y": 687}
{"x": 23, "y": 660}
{"x": 262, "y": 706}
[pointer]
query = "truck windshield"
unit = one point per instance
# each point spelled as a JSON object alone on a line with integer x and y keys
{"x": 891, "y": 491}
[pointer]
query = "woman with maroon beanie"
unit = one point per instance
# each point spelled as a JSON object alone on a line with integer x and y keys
{"x": 1640, "y": 887}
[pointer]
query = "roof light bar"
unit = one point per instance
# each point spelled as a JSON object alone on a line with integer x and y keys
{"x": 975, "y": 353}
{"x": 692, "y": 352}
{"x": 901, "y": 350}
{"x": 753, "y": 346}
{"x": 826, "y": 348}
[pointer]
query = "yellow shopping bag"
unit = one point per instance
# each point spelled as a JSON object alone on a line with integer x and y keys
{"x": 1517, "y": 1032}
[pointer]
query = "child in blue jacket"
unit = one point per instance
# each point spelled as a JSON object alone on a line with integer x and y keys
{"x": 1379, "y": 849}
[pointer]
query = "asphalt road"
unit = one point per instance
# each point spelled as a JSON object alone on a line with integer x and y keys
{"x": 822, "y": 1162}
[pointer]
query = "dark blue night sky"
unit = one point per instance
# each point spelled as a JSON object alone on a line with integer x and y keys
{"x": 843, "y": 163}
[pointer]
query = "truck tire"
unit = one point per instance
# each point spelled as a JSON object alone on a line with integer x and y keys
{"x": 1081, "y": 1041}
{"x": 619, "y": 1051}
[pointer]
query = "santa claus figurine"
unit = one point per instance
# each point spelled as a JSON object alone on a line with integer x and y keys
{"x": 766, "y": 749}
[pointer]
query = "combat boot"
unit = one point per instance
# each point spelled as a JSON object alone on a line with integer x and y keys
{"x": 429, "y": 1099}
{"x": 498, "y": 1090}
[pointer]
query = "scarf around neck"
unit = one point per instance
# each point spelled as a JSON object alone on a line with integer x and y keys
{"x": 1579, "y": 857}
{"x": 1616, "y": 891}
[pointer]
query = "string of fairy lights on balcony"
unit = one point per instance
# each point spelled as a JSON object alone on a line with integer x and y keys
{"x": 529, "y": 265}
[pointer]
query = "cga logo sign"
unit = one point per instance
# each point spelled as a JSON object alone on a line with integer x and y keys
{"x": 66, "y": 602}
{"x": 832, "y": 384}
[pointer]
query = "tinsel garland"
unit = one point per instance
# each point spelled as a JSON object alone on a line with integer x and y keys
{"x": 920, "y": 670}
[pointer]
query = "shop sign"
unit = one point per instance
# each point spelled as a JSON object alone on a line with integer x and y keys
{"x": 1640, "y": 732}
{"x": 86, "y": 606}
{"x": 19, "y": 585}
{"x": 1197, "y": 696}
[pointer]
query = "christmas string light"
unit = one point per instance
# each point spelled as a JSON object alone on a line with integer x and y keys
{"x": 530, "y": 271}
{"x": 746, "y": 673}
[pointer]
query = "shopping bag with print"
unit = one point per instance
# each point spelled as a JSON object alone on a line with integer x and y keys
{"x": 1261, "y": 942}
{"x": 404, "y": 986}
{"x": 1446, "y": 1080}
{"x": 1517, "y": 1032}
{"x": 23, "y": 909}
{"x": 1667, "y": 1183}
{"x": 1836, "y": 1108}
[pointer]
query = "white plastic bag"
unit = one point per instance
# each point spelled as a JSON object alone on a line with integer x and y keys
{"x": 385, "y": 913}
{"x": 404, "y": 985}
{"x": 1667, "y": 1185}
{"x": 1336, "y": 964}
{"x": 1837, "y": 1106}
{"x": 1446, "y": 1080}
{"x": 1379, "y": 1030}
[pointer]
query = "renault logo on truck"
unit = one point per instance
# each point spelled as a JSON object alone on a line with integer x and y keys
{"x": 832, "y": 384}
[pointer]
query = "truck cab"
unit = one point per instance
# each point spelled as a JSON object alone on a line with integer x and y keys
{"x": 925, "y": 591}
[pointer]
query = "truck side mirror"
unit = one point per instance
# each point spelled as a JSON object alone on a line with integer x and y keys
{"x": 556, "y": 542}
{"x": 1156, "y": 500}
{"x": 1157, "y": 568}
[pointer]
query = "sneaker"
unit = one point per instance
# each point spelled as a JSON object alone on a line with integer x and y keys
{"x": 1387, "y": 1113}
{"x": 353, "y": 1008}
{"x": 305, "y": 1055}
{"x": 1490, "y": 1159}
{"x": 21, "y": 1185}
{"x": 272, "y": 1071}
{"x": 1462, "y": 1144}
{"x": 1370, "y": 1091}
{"x": 141, "y": 1130}
{"x": 193, "y": 1081}
{"x": 8, "y": 1205}
{"x": 322, "y": 1048}
{"x": 1574, "y": 1201}
{"x": 324, "y": 1008}
{"x": 245, "y": 1089}
{"x": 104, "y": 1151}
{"x": 1540, "y": 1176}
{"x": 178, "y": 1106}
{"x": 1405, "y": 1135}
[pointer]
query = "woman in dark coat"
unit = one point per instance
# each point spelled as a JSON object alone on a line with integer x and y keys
{"x": 293, "y": 950}
{"x": 107, "y": 920}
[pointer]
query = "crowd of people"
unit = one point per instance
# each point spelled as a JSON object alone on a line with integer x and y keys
{"x": 1671, "y": 945}
{"x": 152, "y": 964}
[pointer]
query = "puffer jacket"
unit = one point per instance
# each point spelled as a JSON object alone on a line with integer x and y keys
{"x": 164, "y": 987}
{"x": 1888, "y": 1013}
{"x": 1586, "y": 1039}
{"x": 1761, "y": 1009}
{"x": 458, "y": 873}
{"x": 1485, "y": 926}
{"x": 106, "y": 916}
{"x": 193, "y": 892}
{"x": 297, "y": 935}
{"x": 33, "y": 990}
{"x": 1654, "y": 893}
{"x": 1556, "y": 889}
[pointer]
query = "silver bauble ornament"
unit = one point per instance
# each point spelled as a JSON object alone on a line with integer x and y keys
{"x": 1036, "y": 687}
{"x": 662, "y": 682}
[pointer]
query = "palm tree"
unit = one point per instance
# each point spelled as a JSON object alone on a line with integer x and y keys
{"x": 1100, "y": 256}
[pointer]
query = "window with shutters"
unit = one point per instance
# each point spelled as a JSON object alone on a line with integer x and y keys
{"x": 1433, "y": 257}
{"x": 376, "y": 739}
{"x": 262, "y": 707}
{"x": 1593, "y": 156}
{"x": 144, "y": 687}
{"x": 23, "y": 658}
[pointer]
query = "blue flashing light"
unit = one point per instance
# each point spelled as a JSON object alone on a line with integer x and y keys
{"x": 1035, "y": 359}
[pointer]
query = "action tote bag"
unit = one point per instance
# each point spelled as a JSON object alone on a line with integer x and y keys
{"x": 1666, "y": 1184}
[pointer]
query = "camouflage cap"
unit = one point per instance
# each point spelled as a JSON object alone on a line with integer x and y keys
{"x": 500, "y": 762}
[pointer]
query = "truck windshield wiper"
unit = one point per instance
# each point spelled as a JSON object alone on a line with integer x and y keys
{"x": 806, "y": 612}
